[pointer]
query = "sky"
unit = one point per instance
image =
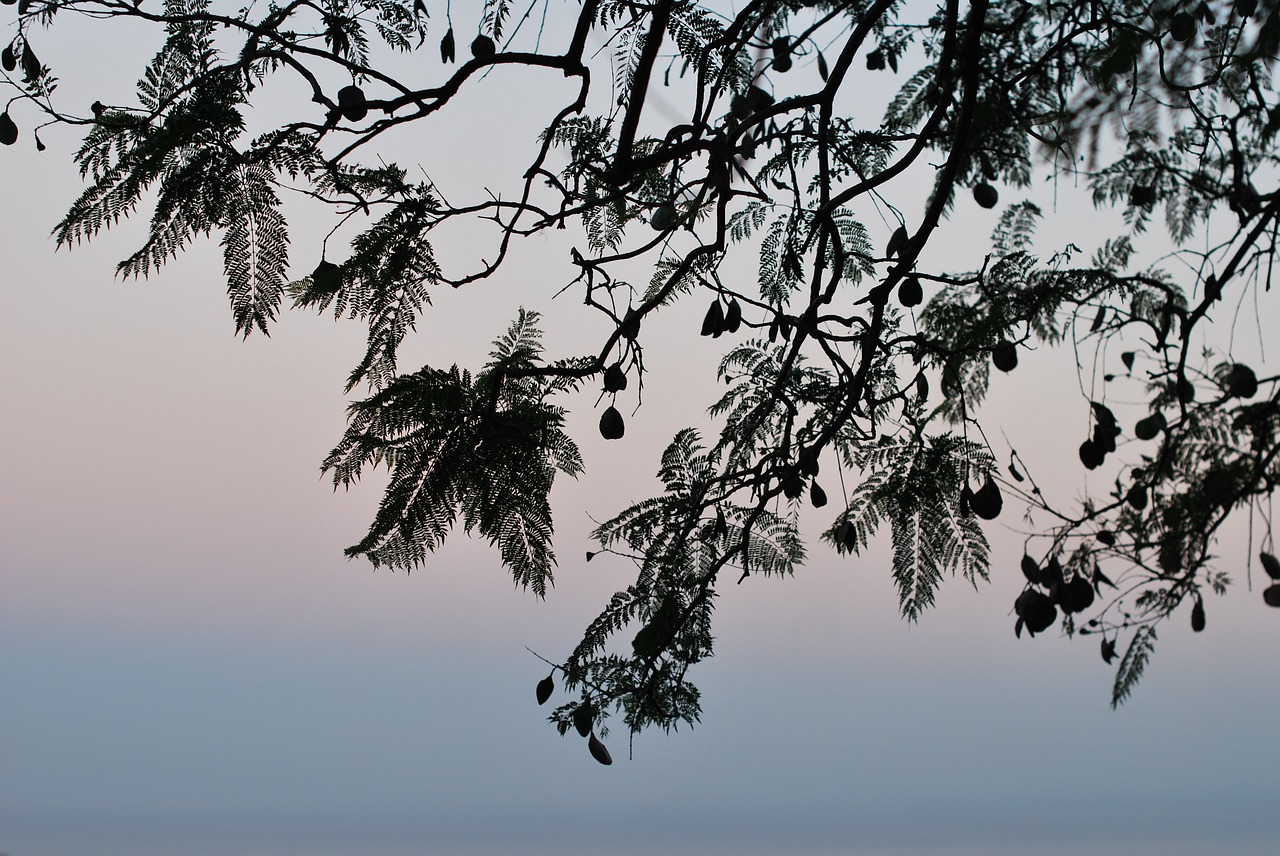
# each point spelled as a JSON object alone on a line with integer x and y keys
{"x": 188, "y": 664}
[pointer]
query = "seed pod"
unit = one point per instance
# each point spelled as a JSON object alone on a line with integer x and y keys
{"x": 1242, "y": 382}
{"x": 1076, "y": 596}
{"x": 987, "y": 502}
{"x": 583, "y": 718}
{"x": 910, "y": 292}
{"x": 897, "y": 242}
{"x": 1036, "y": 610}
{"x": 1107, "y": 537}
{"x": 817, "y": 495}
{"x": 31, "y": 66}
{"x": 781, "y": 54}
{"x": 1137, "y": 497}
{"x": 1182, "y": 27}
{"x": 875, "y": 60}
{"x": 1185, "y": 390}
{"x": 482, "y": 47}
{"x": 447, "y": 47}
{"x": 713, "y": 321}
{"x": 1271, "y": 595}
{"x": 545, "y": 687}
{"x": 1005, "y": 356}
{"x": 8, "y": 59}
{"x": 630, "y": 328}
{"x": 1090, "y": 455}
{"x": 1031, "y": 570}
{"x": 1148, "y": 427}
{"x": 985, "y": 195}
{"x": 1142, "y": 196}
{"x": 1271, "y": 565}
{"x": 615, "y": 379}
{"x": 8, "y": 130}
{"x": 598, "y": 750}
{"x": 1108, "y": 650}
{"x": 846, "y": 537}
{"x": 1197, "y": 616}
{"x": 664, "y": 217}
{"x": 352, "y": 104}
{"x": 1098, "y": 319}
{"x": 733, "y": 316}
{"x": 611, "y": 424}
{"x": 326, "y": 278}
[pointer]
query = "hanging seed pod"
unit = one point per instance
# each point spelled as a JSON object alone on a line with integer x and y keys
{"x": 598, "y": 750}
{"x": 1035, "y": 610}
{"x": 1271, "y": 595}
{"x": 713, "y": 321}
{"x": 897, "y": 242}
{"x": 1106, "y": 537}
{"x": 846, "y": 537}
{"x": 1031, "y": 570}
{"x": 615, "y": 379}
{"x": 1242, "y": 382}
{"x": 985, "y": 195}
{"x": 326, "y": 278}
{"x": 781, "y": 54}
{"x": 664, "y": 217}
{"x": 1004, "y": 356}
{"x": 31, "y": 66}
{"x": 733, "y": 316}
{"x": 910, "y": 292}
{"x": 546, "y": 686}
{"x": 1108, "y": 650}
{"x": 1271, "y": 565}
{"x": 352, "y": 104}
{"x": 1076, "y": 596}
{"x": 987, "y": 503}
{"x": 1137, "y": 497}
{"x": 817, "y": 495}
{"x": 1148, "y": 427}
{"x": 8, "y": 130}
{"x": 1090, "y": 455}
{"x": 447, "y": 48}
{"x": 611, "y": 424}
{"x": 1197, "y": 616}
{"x": 630, "y": 328}
{"x": 8, "y": 59}
{"x": 1142, "y": 196}
{"x": 482, "y": 47}
{"x": 1182, "y": 27}
{"x": 583, "y": 718}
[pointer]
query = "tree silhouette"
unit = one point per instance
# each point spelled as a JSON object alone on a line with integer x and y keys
{"x": 852, "y": 353}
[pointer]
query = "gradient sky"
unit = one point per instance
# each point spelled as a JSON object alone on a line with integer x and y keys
{"x": 189, "y": 665}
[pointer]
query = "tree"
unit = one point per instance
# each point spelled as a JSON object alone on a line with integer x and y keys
{"x": 834, "y": 352}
